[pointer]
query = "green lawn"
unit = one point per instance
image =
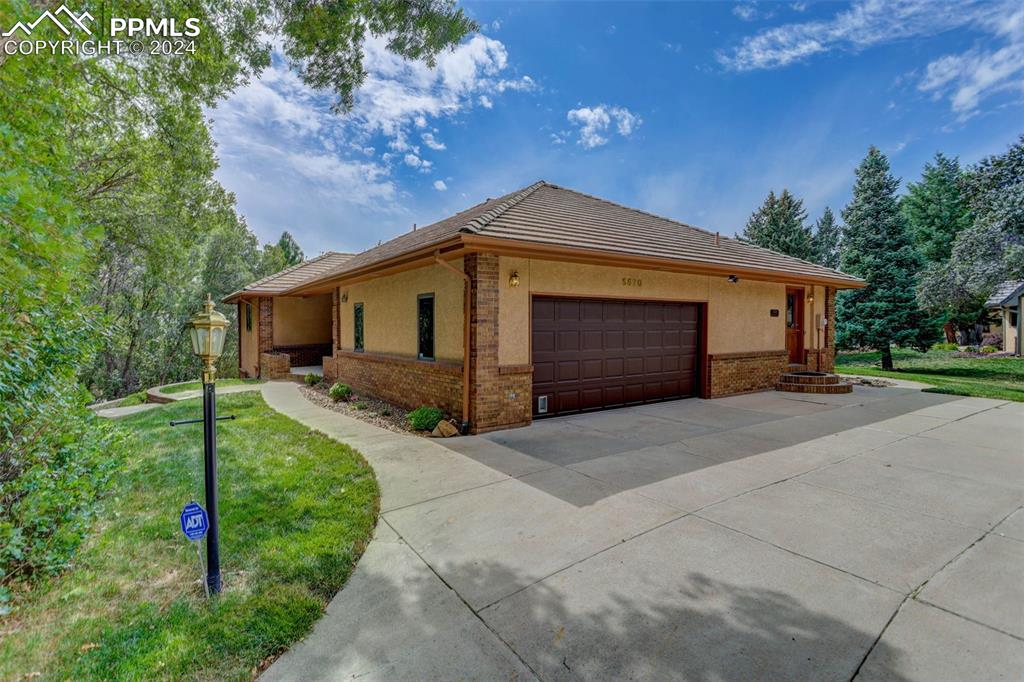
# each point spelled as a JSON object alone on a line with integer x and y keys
{"x": 983, "y": 377}
{"x": 297, "y": 510}
{"x": 196, "y": 385}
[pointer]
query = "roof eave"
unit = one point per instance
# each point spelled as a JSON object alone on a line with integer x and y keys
{"x": 552, "y": 252}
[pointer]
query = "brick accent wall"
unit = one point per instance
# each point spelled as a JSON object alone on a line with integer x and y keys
{"x": 305, "y": 355}
{"x": 274, "y": 365}
{"x": 403, "y": 381}
{"x": 497, "y": 399}
{"x": 335, "y": 318}
{"x": 732, "y": 373}
{"x": 266, "y": 326}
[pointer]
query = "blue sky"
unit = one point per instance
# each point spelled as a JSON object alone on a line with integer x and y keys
{"x": 689, "y": 110}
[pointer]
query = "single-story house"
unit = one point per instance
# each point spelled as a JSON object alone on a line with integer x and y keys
{"x": 1006, "y": 301}
{"x": 549, "y": 301}
{"x": 278, "y": 334}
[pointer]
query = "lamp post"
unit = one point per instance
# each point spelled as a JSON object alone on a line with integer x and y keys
{"x": 207, "y": 331}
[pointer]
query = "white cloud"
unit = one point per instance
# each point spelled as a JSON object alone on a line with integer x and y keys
{"x": 970, "y": 76}
{"x": 399, "y": 95}
{"x": 440, "y": 186}
{"x": 966, "y": 77}
{"x": 485, "y": 101}
{"x": 433, "y": 142}
{"x": 867, "y": 23}
{"x": 496, "y": 25}
{"x": 745, "y": 11}
{"x": 798, "y": 6}
{"x": 594, "y": 123}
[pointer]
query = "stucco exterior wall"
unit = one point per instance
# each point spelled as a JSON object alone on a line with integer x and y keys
{"x": 302, "y": 320}
{"x": 389, "y": 312}
{"x": 249, "y": 347}
{"x": 739, "y": 317}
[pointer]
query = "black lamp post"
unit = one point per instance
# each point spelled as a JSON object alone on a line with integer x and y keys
{"x": 207, "y": 330}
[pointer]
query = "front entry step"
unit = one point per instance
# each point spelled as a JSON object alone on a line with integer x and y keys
{"x": 812, "y": 382}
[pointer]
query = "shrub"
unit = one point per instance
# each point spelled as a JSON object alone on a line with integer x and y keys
{"x": 945, "y": 346}
{"x": 312, "y": 379}
{"x": 425, "y": 418}
{"x": 340, "y": 391}
{"x": 989, "y": 349}
{"x": 361, "y": 405}
{"x": 386, "y": 412}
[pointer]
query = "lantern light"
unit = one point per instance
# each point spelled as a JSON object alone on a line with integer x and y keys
{"x": 207, "y": 331}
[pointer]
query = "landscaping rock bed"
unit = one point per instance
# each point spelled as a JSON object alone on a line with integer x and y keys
{"x": 378, "y": 412}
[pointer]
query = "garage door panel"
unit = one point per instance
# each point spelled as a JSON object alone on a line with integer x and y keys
{"x": 591, "y": 354}
{"x": 543, "y": 341}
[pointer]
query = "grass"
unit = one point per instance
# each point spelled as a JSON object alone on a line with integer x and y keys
{"x": 297, "y": 510}
{"x": 196, "y": 385}
{"x": 136, "y": 398}
{"x": 1001, "y": 378}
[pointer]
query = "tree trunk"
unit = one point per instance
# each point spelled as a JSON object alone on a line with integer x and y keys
{"x": 887, "y": 357}
{"x": 950, "y": 332}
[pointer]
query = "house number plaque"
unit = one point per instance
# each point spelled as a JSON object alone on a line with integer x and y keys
{"x": 632, "y": 282}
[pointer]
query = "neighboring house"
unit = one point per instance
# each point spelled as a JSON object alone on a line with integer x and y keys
{"x": 548, "y": 301}
{"x": 1006, "y": 299}
{"x": 302, "y": 333}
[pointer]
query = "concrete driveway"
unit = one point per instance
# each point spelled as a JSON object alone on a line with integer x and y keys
{"x": 876, "y": 535}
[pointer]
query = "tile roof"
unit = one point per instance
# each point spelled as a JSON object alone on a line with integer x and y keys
{"x": 289, "y": 278}
{"x": 543, "y": 213}
{"x": 1005, "y": 293}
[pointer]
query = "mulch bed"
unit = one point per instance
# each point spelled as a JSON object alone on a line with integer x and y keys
{"x": 378, "y": 412}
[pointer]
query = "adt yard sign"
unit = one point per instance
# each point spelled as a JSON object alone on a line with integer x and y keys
{"x": 194, "y": 522}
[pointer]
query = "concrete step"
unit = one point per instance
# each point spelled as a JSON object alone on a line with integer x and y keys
{"x": 790, "y": 387}
{"x": 805, "y": 377}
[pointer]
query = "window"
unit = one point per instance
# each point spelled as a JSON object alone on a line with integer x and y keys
{"x": 357, "y": 325}
{"x": 1013, "y": 317}
{"x": 425, "y": 326}
{"x": 248, "y": 317}
{"x": 790, "y": 310}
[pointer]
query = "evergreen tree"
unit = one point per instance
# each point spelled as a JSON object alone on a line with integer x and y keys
{"x": 827, "y": 236}
{"x": 935, "y": 210}
{"x": 877, "y": 247}
{"x": 290, "y": 249}
{"x": 779, "y": 225}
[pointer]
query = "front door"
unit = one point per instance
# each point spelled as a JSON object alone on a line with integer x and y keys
{"x": 795, "y": 325}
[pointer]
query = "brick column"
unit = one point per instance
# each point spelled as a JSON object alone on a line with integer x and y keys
{"x": 828, "y": 353}
{"x": 498, "y": 397}
{"x": 265, "y": 335}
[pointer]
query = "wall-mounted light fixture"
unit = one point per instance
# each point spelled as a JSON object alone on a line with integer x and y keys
{"x": 513, "y": 279}
{"x": 344, "y": 297}
{"x": 733, "y": 278}
{"x": 810, "y": 297}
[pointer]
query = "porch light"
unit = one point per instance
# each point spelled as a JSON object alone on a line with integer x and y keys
{"x": 733, "y": 278}
{"x": 513, "y": 279}
{"x": 207, "y": 332}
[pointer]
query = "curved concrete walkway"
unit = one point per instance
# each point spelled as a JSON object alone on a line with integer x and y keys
{"x": 875, "y": 535}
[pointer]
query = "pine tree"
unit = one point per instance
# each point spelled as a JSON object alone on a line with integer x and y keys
{"x": 935, "y": 209}
{"x": 779, "y": 225}
{"x": 827, "y": 236}
{"x": 290, "y": 249}
{"x": 877, "y": 247}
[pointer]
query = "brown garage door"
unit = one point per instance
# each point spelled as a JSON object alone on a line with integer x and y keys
{"x": 590, "y": 354}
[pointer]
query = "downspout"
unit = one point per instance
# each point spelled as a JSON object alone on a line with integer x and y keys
{"x": 466, "y": 312}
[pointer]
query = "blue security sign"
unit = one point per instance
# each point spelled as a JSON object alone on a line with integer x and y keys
{"x": 194, "y": 521}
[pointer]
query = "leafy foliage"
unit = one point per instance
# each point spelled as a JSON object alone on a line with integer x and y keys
{"x": 425, "y": 418}
{"x": 312, "y": 379}
{"x": 112, "y": 225}
{"x": 340, "y": 391}
{"x": 877, "y": 247}
{"x": 779, "y": 225}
